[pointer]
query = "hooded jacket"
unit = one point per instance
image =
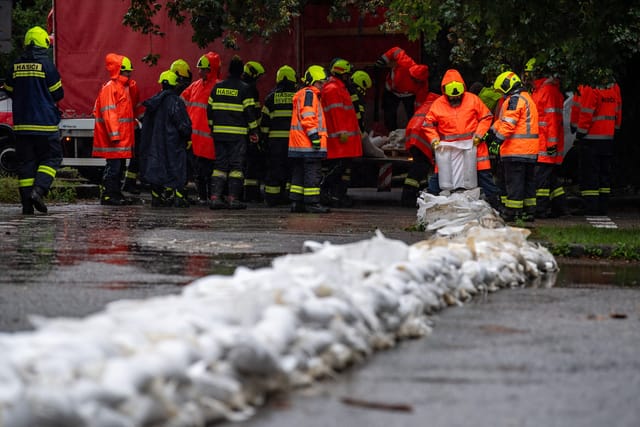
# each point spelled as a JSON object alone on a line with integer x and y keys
{"x": 415, "y": 135}
{"x": 113, "y": 132}
{"x": 166, "y": 128}
{"x": 196, "y": 96}
{"x": 341, "y": 118}
{"x": 406, "y": 78}
{"x": 550, "y": 103}
{"x": 459, "y": 125}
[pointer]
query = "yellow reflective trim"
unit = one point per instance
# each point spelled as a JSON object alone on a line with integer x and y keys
{"x": 236, "y": 174}
{"x": 217, "y": 173}
{"x": 47, "y": 170}
{"x": 26, "y": 182}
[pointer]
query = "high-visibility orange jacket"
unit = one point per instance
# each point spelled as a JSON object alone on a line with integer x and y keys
{"x": 517, "y": 127}
{"x": 600, "y": 112}
{"x": 307, "y": 122}
{"x": 415, "y": 135}
{"x": 460, "y": 124}
{"x": 138, "y": 107}
{"x": 399, "y": 80}
{"x": 113, "y": 132}
{"x": 196, "y": 96}
{"x": 549, "y": 102}
{"x": 341, "y": 119}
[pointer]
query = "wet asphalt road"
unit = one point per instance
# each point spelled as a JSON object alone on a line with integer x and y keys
{"x": 566, "y": 356}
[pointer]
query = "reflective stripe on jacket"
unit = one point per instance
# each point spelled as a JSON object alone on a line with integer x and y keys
{"x": 415, "y": 135}
{"x": 307, "y": 120}
{"x": 196, "y": 97}
{"x": 231, "y": 110}
{"x": 550, "y": 103}
{"x": 341, "y": 118}
{"x": 517, "y": 126}
{"x": 600, "y": 112}
{"x": 113, "y": 132}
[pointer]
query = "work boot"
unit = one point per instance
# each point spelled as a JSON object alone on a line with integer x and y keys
{"x": 37, "y": 199}
{"x": 179, "y": 200}
{"x": 110, "y": 200}
{"x": 234, "y": 203}
{"x": 157, "y": 199}
{"x": 216, "y": 203}
{"x": 130, "y": 186}
{"x": 297, "y": 207}
{"x": 317, "y": 208}
{"x": 27, "y": 209}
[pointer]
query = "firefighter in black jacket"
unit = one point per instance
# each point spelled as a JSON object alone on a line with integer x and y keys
{"x": 231, "y": 119}
{"x": 256, "y": 155}
{"x": 34, "y": 85}
{"x": 274, "y": 125}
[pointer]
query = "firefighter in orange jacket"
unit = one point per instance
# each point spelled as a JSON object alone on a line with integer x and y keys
{"x": 196, "y": 96}
{"x": 551, "y": 200}
{"x": 460, "y": 119}
{"x": 344, "y": 140}
{"x": 308, "y": 143}
{"x": 599, "y": 117}
{"x": 406, "y": 83}
{"x": 113, "y": 134}
{"x": 514, "y": 136}
{"x": 418, "y": 146}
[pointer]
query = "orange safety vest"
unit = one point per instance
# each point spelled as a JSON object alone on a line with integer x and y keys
{"x": 113, "y": 113}
{"x": 307, "y": 119}
{"x": 470, "y": 119}
{"x": 550, "y": 103}
{"x": 600, "y": 112}
{"x": 517, "y": 126}
{"x": 196, "y": 96}
{"x": 341, "y": 118}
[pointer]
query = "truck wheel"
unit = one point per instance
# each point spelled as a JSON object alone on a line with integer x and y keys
{"x": 8, "y": 159}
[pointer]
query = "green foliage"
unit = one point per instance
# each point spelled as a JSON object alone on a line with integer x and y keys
{"x": 63, "y": 193}
{"x": 24, "y": 16}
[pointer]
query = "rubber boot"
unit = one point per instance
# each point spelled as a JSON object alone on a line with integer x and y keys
{"x": 37, "y": 198}
{"x": 25, "y": 199}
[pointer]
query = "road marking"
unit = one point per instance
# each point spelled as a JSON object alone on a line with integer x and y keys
{"x": 601, "y": 222}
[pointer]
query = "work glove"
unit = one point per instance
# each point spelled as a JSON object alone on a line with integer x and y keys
{"x": 315, "y": 141}
{"x": 489, "y": 137}
{"x": 580, "y": 136}
{"x": 573, "y": 129}
{"x": 494, "y": 147}
{"x": 435, "y": 144}
{"x": 476, "y": 141}
{"x": 189, "y": 144}
{"x": 552, "y": 150}
{"x": 254, "y": 138}
{"x": 380, "y": 62}
{"x": 343, "y": 137}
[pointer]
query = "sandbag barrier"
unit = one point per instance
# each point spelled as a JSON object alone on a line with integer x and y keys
{"x": 219, "y": 348}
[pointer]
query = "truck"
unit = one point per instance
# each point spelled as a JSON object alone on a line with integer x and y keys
{"x": 84, "y": 32}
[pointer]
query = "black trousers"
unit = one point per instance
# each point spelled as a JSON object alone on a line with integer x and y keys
{"x": 278, "y": 171}
{"x": 520, "y": 187}
{"x": 228, "y": 168}
{"x": 39, "y": 158}
{"x": 595, "y": 175}
{"x": 305, "y": 180}
{"x": 390, "y": 104}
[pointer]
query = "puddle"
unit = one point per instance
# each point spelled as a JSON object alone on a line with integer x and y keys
{"x": 582, "y": 273}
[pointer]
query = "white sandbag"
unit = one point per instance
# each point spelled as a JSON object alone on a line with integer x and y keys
{"x": 457, "y": 166}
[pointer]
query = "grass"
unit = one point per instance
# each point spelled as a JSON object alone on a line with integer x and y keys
{"x": 594, "y": 242}
{"x": 60, "y": 192}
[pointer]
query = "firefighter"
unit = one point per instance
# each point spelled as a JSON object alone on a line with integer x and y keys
{"x": 457, "y": 121}
{"x": 360, "y": 83}
{"x": 35, "y": 87}
{"x": 406, "y": 84}
{"x": 551, "y": 200}
{"x": 256, "y": 153}
{"x": 232, "y": 118}
{"x": 130, "y": 184}
{"x": 308, "y": 143}
{"x": 598, "y": 119}
{"x": 514, "y": 137}
{"x": 165, "y": 132}
{"x": 113, "y": 133}
{"x": 275, "y": 125}
{"x": 196, "y": 96}
{"x": 419, "y": 148}
{"x": 344, "y": 139}
{"x": 183, "y": 71}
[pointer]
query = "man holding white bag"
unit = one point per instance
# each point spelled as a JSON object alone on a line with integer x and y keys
{"x": 454, "y": 126}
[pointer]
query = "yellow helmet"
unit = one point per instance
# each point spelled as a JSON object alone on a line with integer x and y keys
{"x": 126, "y": 64}
{"x": 181, "y": 68}
{"x": 362, "y": 80}
{"x": 340, "y": 66}
{"x": 286, "y": 73}
{"x": 506, "y": 82}
{"x": 168, "y": 77}
{"x": 454, "y": 89}
{"x": 253, "y": 69}
{"x": 38, "y": 37}
{"x": 314, "y": 74}
{"x": 530, "y": 65}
